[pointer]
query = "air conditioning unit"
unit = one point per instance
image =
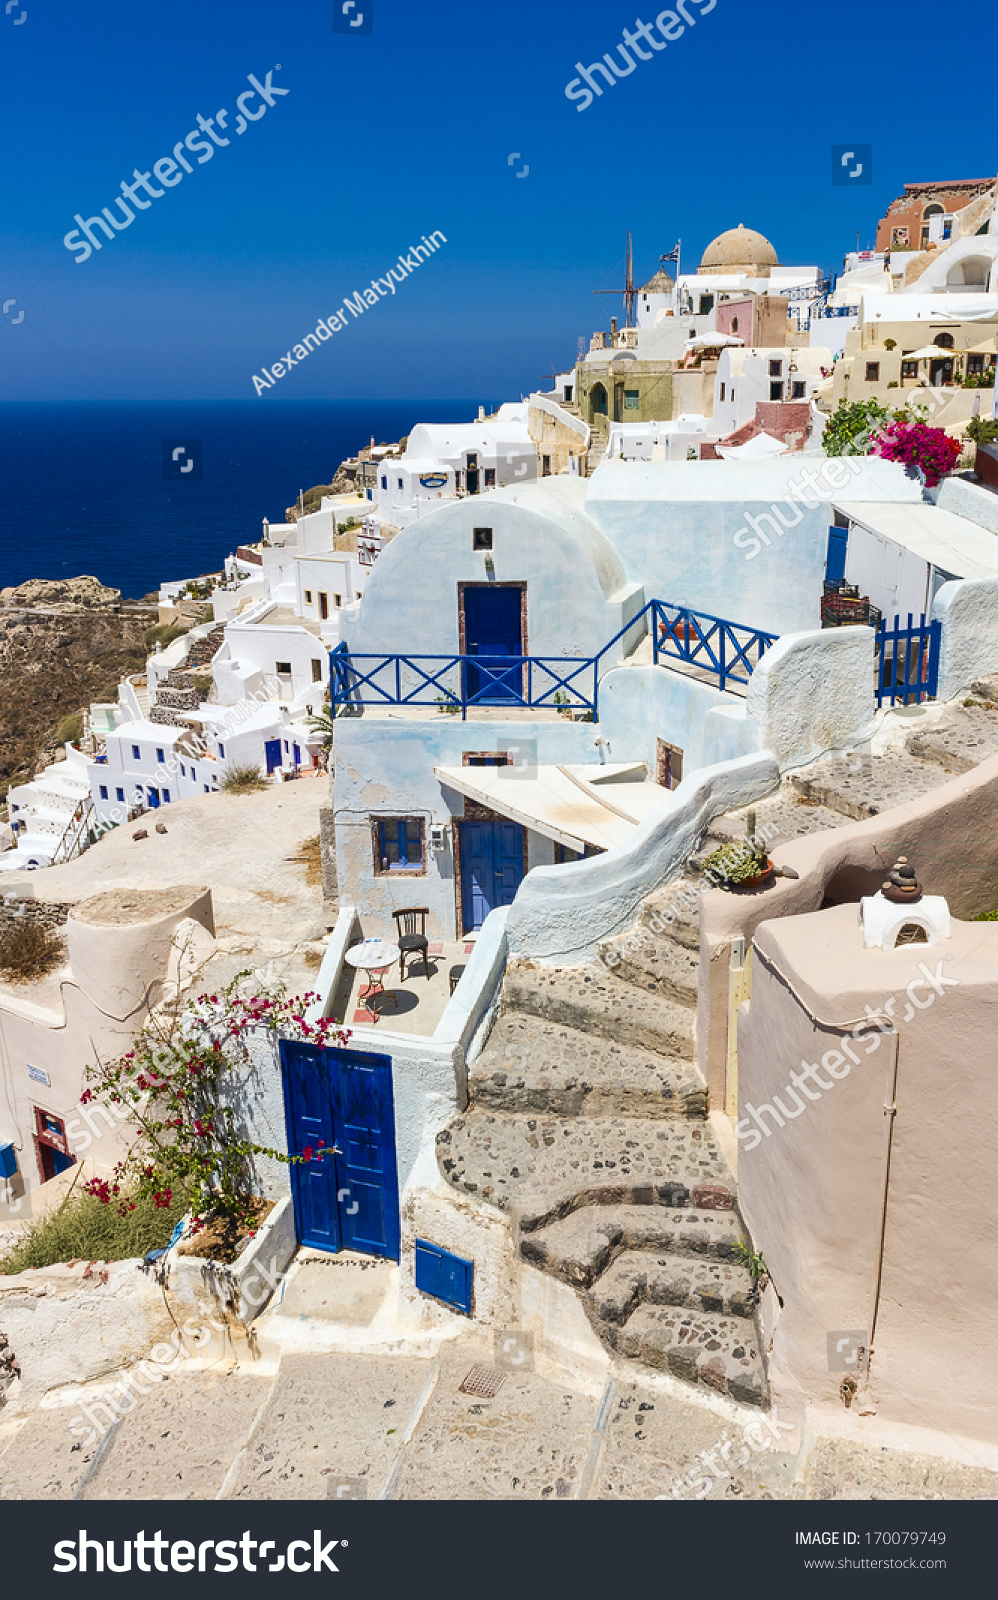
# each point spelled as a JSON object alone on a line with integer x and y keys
{"x": 438, "y": 835}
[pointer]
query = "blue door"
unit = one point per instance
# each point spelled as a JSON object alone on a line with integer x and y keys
{"x": 491, "y": 868}
{"x": 152, "y": 797}
{"x": 339, "y": 1106}
{"x": 493, "y": 632}
{"x": 835, "y": 562}
{"x": 272, "y": 751}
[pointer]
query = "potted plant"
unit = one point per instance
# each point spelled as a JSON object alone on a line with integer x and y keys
{"x": 739, "y": 864}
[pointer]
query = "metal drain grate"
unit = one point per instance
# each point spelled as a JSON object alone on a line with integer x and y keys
{"x": 483, "y": 1382}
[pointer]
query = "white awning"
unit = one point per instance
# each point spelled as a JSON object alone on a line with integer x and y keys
{"x": 575, "y": 806}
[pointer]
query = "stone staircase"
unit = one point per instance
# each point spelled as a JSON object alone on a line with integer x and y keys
{"x": 588, "y": 1121}
{"x": 587, "y": 1124}
{"x": 595, "y": 452}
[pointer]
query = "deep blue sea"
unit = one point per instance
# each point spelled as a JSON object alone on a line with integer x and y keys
{"x": 82, "y": 487}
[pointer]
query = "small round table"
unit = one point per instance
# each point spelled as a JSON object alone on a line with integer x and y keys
{"x": 376, "y": 956}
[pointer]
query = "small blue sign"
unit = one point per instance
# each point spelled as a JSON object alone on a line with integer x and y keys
{"x": 444, "y": 1276}
{"x": 8, "y": 1161}
{"x": 852, "y": 165}
{"x": 353, "y": 16}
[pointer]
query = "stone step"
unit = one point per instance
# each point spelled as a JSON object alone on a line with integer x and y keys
{"x": 533, "y": 1065}
{"x": 581, "y": 1247}
{"x": 698, "y": 1347}
{"x": 544, "y": 1167}
{"x": 656, "y": 962}
{"x": 637, "y": 1277}
{"x": 598, "y": 1003}
{"x": 674, "y": 912}
{"x": 969, "y": 737}
{"x": 861, "y": 786}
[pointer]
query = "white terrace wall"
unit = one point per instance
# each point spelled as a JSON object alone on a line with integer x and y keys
{"x": 743, "y": 540}
{"x": 968, "y": 611}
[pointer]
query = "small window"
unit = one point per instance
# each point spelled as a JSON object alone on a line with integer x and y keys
{"x": 316, "y": 672}
{"x": 799, "y": 390}
{"x": 490, "y": 477}
{"x": 481, "y": 539}
{"x": 358, "y": 595}
{"x": 160, "y": 755}
{"x": 384, "y": 483}
{"x": 119, "y": 794}
{"x": 632, "y": 399}
{"x": 776, "y": 369}
{"x": 53, "y": 1126}
{"x": 183, "y": 770}
{"x": 944, "y": 340}
{"x": 722, "y": 391}
{"x": 286, "y": 745}
{"x": 706, "y": 304}
{"x": 136, "y": 753}
{"x": 400, "y": 844}
{"x": 283, "y": 669}
{"x": 166, "y": 795}
{"x": 400, "y": 482}
{"x": 975, "y": 366}
{"x": 103, "y": 791}
{"x": 545, "y": 466}
{"x": 221, "y": 751}
{"x": 206, "y": 788}
{"x": 776, "y": 391}
{"x": 194, "y": 776}
{"x": 873, "y": 372}
{"x": 734, "y": 324}
{"x": 308, "y": 597}
{"x": 337, "y": 601}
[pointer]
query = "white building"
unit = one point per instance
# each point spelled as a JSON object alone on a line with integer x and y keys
{"x": 443, "y": 460}
{"x": 744, "y": 377}
{"x": 658, "y": 441}
{"x": 49, "y": 814}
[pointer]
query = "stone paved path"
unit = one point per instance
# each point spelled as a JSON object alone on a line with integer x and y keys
{"x": 395, "y": 1427}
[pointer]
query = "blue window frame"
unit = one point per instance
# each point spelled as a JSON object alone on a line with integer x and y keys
{"x": 400, "y": 844}
{"x": 194, "y": 776}
{"x": 166, "y": 795}
{"x": 384, "y": 483}
{"x": 206, "y": 788}
{"x": 160, "y": 755}
{"x": 221, "y": 751}
{"x": 119, "y": 794}
{"x": 136, "y": 753}
{"x": 103, "y": 791}
{"x": 183, "y": 770}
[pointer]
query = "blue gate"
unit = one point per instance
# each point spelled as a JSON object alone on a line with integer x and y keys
{"x": 907, "y": 661}
{"x": 272, "y": 752}
{"x": 340, "y": 1113}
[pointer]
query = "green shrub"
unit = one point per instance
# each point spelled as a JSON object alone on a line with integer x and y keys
{"x": 28, "y": 950}
{"x": 84, "y": 1229}
{"x": 164, "y": 633}
{"x": 735, "y": 862}
{"x": 983, "y": 430}
{"x": 244, "y": 780}
{"x": 70, "y": 729}
{"x": 986, "y": 916}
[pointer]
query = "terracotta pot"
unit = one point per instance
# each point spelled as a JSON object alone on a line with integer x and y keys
{"x": 759, "y": 879}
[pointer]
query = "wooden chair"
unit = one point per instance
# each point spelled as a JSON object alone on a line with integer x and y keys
{"x": 412, "y": 940}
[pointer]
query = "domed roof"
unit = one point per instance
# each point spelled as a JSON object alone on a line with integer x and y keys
{"x": 740, "y": 249}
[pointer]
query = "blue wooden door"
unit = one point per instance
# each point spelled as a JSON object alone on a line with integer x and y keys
{"x": 339, "y": 1105}
{"x": 272, "y": 751}
{"x": 491, "y": 868}
{"x": 493, "y": 633}
{"x": 835, "y": 561}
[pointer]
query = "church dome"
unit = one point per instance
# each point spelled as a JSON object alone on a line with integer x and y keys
{"x": 740, "y": 249}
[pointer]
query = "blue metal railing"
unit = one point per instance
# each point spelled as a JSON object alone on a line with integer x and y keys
{"x": 907, "y": 661}
{"x": 725, "y": 650}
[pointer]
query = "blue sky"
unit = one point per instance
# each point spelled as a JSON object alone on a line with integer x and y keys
{"x": 383, "y": 138}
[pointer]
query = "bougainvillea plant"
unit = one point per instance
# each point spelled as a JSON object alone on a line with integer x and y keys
{"x": 179, "y": 1082}
{"x": 915, "y": 444}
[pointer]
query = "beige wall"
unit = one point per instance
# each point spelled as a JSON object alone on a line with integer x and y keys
{"x": 817, "y": 1192}
{"x": 119, "y": 962}
{"x": 553, "y": 438}
{"x": 951, "y": 835}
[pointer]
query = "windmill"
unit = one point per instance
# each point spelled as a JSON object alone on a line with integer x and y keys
{"x": 628, "y": 291}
